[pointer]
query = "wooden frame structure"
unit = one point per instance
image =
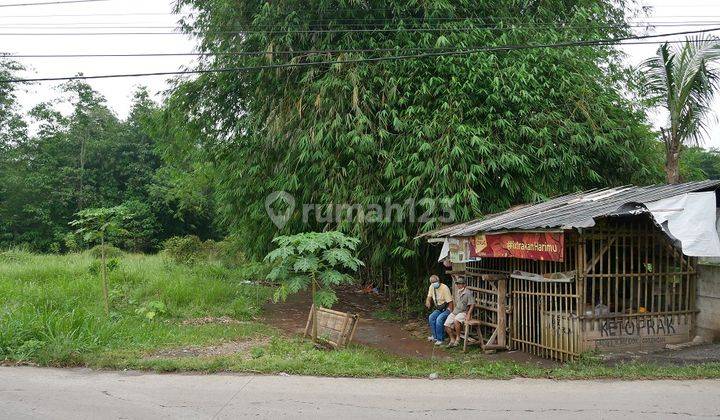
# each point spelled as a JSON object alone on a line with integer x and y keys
{"x": 333, "y": 327}
{"x": 622, "y": 285}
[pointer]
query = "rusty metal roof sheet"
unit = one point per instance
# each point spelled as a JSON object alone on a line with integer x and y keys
{"x": 570, "y": 211}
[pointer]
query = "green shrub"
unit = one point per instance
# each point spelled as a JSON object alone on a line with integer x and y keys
{"x": 185, "y": 249}
{"x": 110, "y": 251}
{"x": 142, "y": 228}
{"x": 151, "y": 309}
{"x": 96, "y": 266}
{"x": 15, "y": 255}
{"x": 72, "y": 242}
{"x": 190, "y": 250}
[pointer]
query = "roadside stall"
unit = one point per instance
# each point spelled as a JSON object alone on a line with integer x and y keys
{"x": 612, "y": 270}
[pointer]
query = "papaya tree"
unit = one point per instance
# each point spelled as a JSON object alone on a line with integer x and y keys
{"x": 95, "y": 226}
{"x": 316, "y": 260}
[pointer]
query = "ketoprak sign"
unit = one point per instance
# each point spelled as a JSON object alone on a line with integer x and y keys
{"x": 544, "y": 246}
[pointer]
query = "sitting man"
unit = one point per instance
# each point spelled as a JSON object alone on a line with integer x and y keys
{"x": 441, "y": 297}
{"x": 464, "y": 305}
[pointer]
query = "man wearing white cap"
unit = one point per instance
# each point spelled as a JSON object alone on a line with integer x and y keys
{"x": 464, "y": 305}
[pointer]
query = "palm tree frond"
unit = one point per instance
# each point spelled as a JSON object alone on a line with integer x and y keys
{"x": 686, "y": 77}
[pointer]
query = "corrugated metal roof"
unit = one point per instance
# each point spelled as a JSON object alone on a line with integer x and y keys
{"x": 570, "y": 211}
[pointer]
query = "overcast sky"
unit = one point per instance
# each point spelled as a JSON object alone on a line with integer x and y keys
{"x": 154, "y": 15}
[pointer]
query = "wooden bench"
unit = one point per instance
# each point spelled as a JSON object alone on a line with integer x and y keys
{"x": 466, "y": 336}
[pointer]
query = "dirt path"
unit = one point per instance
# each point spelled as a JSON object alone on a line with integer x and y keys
{"x": 291, "y": 316}
{"x": 399, "y": 338}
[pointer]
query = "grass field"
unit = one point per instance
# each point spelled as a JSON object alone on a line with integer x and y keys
{"x": 51, "y": 313}
{"x": 51, "y": 309}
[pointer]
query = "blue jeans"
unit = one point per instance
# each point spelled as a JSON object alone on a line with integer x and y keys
{"x": 436, "y": 321}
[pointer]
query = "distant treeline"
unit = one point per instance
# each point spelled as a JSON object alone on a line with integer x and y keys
{"x": 53, "y": 164}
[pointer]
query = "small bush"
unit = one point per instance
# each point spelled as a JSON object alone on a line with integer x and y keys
{"x": 96, "y": 266}
{"x": 185, "y": 249}
{"x": 190, "y": 250}
{"x": 15, "y": 255}
{"x": 110, "y": 251}
{"x": 231, "y": 252}
{"x": 72, "y": 242}
{"x": 151, "y": 309}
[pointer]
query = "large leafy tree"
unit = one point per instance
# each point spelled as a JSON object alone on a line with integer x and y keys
{"x": 13, "y": 132}
{"x": 13, "y": 129}
{"x": 683, "y": 79}
{"x": 698, "y": 164}
{"x": 481, "y": 131}
{"x": 89, "y": 158}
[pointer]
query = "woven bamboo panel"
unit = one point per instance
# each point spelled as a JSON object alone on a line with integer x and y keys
{"x": 632, "y": 290}
{"x": 333, "y": 327}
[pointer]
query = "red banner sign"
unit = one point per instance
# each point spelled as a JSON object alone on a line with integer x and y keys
{"x": 544, "y": 246}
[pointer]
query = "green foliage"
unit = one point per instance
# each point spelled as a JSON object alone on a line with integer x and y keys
{"x": 50, "y": 314}
{"x": 141, "y": 227}
{"x": 479, "y": 131}
{"x": 319, "y": 260}
{"x": 88, "y": 158}
{"x": 698, "y": 164}
{"x": 190, "y": 250}
{"x": 96, "y": 267}
{"x": 683, "y": 79}
{"x": 110, "y": 251}
{"x": 151, "y": 309}
{"x": 184, "y": 249}
{"x": 15, "y": 255}
{"x": 95, "y": 225}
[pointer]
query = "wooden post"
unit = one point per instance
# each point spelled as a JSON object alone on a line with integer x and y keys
{"x": 501, "y": 320}
{"x": 309, "y": 320}
{"x": 104, "y": 274}
{"x": 314, "y": 311}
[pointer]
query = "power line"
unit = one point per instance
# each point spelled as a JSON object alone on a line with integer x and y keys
{"x": 369, "y": 28}
{"x": 381, "y": 21}
{"x": 321, "y": 31}
{"x": 87, "y": 15}
{"x": 600, "y": 42}
{"x": 258, "y": 53}
{"x": 45, "y": 3}
{"x": 417, "y": 18}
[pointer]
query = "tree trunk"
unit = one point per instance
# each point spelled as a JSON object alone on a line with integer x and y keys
{"x": 314, "y": 314}
{"x": 672, "y": 158}
{"x": 81, "y": 201}
{"x": 104, "y": 276}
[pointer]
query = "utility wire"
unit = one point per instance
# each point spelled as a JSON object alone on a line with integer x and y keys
{"x": 45, "y": 3}
{"x": 600, "y": 42}
{"x": 88, "y": 15}
{"x": 369, "y": 28}
{"x": 258, "y": 53}
{"x": 383, "y": 21}
{"x": 309, "y": 31}
{"x": 362, "y": 19}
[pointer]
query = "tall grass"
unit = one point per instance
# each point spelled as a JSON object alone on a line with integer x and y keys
{"x": 51, "y": 309}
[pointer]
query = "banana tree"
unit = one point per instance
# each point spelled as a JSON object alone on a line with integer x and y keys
{"x": 682, "y": 78}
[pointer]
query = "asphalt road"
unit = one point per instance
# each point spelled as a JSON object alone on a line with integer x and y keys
{"x": 83, "y": 394}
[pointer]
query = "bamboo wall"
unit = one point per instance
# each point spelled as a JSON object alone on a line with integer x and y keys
{"x": 632, "y": 291}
